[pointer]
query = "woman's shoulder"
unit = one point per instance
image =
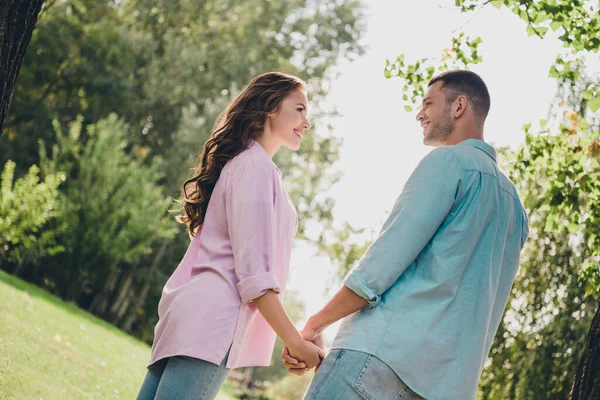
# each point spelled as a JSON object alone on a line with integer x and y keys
{"x": 251, "y": 161}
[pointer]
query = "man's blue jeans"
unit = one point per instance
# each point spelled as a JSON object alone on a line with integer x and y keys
{"x": 348, "y": 374}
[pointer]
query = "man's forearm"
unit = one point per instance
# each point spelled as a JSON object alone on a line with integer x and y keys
{"x": 344, "y": 303}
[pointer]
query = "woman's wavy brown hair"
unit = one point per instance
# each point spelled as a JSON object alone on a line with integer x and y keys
{"x": 242, "y": 120}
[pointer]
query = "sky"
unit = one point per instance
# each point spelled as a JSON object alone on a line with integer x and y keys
{"x": 382, "y": 143}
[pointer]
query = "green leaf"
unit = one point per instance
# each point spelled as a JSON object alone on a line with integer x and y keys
{"x": 408, "y": 108}
{"x": 476, "y": 42}
{"x": 530, "y": 31}
{"x": 573, "y": 227}
{"x": 594, "y": 105}
{"x": 387, "y": 73}
{"x": 497, "y": 3}
{"x": 405, "y": 97}
{"x": 543, "y": 123}
{"x": 555, "y": 25}
{"x": 551, "y": 225}
{"x": 577, "y": 45}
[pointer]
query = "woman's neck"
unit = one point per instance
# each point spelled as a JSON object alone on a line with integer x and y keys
{"x": 269, "y": 145}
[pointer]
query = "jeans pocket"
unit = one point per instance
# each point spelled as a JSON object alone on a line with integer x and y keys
{"x": 326, "y": 368}
{"x": 377, "y": 381}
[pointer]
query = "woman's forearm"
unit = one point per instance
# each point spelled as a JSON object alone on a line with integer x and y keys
{"x": 272, "y": 310}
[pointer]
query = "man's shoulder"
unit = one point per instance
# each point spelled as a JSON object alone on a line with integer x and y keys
{"x": 472, "y": 158}
{"x": 465, "y": 154}
{"x": 443, "y": 157}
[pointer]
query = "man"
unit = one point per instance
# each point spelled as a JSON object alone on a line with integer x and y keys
{"x": 425, "y": 301}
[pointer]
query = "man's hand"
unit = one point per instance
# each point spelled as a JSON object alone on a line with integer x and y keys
{"x": 343, "y": 303}
{"x": 298, "y": 367}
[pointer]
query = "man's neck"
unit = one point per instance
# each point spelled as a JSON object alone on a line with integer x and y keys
{"x": 464, "y": 133}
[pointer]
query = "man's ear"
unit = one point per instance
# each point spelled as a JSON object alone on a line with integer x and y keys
{"x": 460, "y": 105}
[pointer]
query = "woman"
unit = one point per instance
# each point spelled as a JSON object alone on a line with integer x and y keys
{"x": 222, "y": 307}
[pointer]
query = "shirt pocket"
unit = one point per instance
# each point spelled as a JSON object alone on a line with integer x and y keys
{"x": 377, "y": 381}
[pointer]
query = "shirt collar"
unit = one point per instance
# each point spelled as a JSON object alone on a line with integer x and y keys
{"x": 254, "y": 146}
{"x": 481, "y": 145}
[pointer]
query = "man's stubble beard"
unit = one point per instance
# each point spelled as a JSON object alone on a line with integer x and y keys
{"x": 442, "y": 129}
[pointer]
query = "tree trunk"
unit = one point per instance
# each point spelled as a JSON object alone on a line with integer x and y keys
{"x": 17, "y": 20}
{"x": 586, "y": 385}
{"x": 74, "y": 290}
{"x": 19, "y": 269}
{"x": 132, "y": 314}
{"x": 121, "y": 297}
{"x": 100, "y": 302}
{"x": 121, "y": 312}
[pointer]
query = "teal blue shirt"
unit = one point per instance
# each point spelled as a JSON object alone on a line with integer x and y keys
{"x": 438, "y": 276}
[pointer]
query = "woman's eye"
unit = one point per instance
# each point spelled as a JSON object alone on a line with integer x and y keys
{"x": 300, "y": 109}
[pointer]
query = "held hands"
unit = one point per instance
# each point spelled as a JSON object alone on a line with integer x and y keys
{"x": 343, "y": 303}
{"x": 308, "y": 352}
{"x": 296, "y": 362}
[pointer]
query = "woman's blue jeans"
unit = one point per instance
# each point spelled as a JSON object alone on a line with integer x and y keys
{"x": 183, "y": 378}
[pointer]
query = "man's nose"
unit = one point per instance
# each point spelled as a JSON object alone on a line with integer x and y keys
{"x": 419, "y": 116}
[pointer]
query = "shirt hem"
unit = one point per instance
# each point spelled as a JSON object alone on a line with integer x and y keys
{"x": 376, "y": 354}
{"x": 156, "y": 359}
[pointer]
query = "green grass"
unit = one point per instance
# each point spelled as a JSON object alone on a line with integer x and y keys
{"x": 53, "y": 350}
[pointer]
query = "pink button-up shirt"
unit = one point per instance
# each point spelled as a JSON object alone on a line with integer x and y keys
{"x": 241, "y": 251}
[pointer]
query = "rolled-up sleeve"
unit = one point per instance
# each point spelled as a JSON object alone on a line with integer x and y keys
{"x": 251, "y": 224}
{"x": 525, "y": 229}
{"x": 425, "y": 201}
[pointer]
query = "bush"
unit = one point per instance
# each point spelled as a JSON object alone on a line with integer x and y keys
{"x": 115, "y": 212}
{"x": 26, "y": 207}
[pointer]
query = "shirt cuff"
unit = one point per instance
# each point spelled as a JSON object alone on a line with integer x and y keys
{"x": 356, "y": 282}
{"x": 255, "y": 286}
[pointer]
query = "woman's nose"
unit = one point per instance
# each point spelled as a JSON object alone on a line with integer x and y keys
{"x": 306, "y": 124}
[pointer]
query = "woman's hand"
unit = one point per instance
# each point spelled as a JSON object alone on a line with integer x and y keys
{"x": 272, "y": 310}
{"x": 305, "y": 350}
{"x": 296, "y": 366}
